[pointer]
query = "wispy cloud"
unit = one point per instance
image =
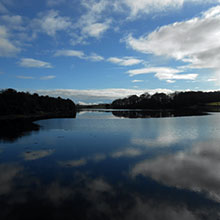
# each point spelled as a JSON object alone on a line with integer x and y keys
{"x": 140, "y": 7}
{"x": 29, "y": 62}
{"x": 148, "y": 6}
{"x": 48, "y": 77}
{"x": 7, "y": 47}
{"x": 93, "y": 22}
{"x": 95, "y": 57}
{"x": 96, "y": 29}
{"x": 80, "y": 54}
{"x": 12, "y": 21}
{"x": 125, "y": 61}
{"x": 51, "y": 22}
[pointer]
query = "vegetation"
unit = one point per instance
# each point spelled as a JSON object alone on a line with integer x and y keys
{"x": 22, "y": 104}
{"x": 177, "y": 100}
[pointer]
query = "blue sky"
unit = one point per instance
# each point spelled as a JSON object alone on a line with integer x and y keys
{"x": 99, "y": 50}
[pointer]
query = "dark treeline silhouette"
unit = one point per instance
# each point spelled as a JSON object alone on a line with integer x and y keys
{"x": 21, "y": 103}
{"x": 177, "y": 100}
{"x": 19, "y": 109}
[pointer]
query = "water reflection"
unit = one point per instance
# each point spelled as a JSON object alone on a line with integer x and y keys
{"x": 12, "y": 130}
{"x": 34, "y": 155}
{"x": 85, "y": 168}
{"x": 8, "y": 172}
{"x": 156, "y": 113}
{"x": 197, "y": 170}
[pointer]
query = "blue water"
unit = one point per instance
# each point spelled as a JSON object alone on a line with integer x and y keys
{"x": 98, "y": 166}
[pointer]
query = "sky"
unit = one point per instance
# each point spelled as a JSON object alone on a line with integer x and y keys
{"x": 94, "y": 51}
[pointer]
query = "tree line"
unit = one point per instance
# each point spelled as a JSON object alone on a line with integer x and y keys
{"x": 177, "y": 100}
{"x": 24, "y": 103}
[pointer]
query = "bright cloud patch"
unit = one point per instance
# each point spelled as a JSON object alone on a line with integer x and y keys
{"x": 164, "y": 73}
{"x": 197, "y": 170}
{"x": 29, "y": 62}
{"x": 96, "y": 29}
{"x": 136, "y": 81}
{"x": 195, "y": 41}
{"x": 70, "y": 53}
{"x": 125, "y": 61}
{"x": 51, "y": 22}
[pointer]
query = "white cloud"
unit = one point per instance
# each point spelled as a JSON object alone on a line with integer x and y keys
{"x": 14, "y": 21}
{"x": 137, "y": 81}
{"x": 70, "y": 53}
{"x": 48, "y": 77}
{"x": 7, "y": 48}
{"x": 170, "y": 81}
{"x": 125, "y": 61}
{"x": 140, "y": 7}
{"x": 148, "y": 6}
{"x": 98, "y": 95}
{"x": 95, "y": 29}
{"x": 29, "y": 62}
{"x": 194, "y": 41}
{"x": 165, "y": 70}
{"x": 95, "y": 57}
{"x": 92, "y": 23}
{"x": 51, "y": 22}
{"x": 164, "y": 73}
{"x": 80, "y": 54}
{"x": 212, "y": 80}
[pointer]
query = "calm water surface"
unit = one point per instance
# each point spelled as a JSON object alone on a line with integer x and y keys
{"x": 99, "y": 166}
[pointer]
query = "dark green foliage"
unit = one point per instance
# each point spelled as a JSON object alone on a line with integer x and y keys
{"x": 21, "y": 103}
{"x": 177, "y": 100}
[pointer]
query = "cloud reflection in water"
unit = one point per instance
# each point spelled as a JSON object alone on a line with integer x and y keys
{"x": 34, "y": 155}
{"x": 197, "y": 170}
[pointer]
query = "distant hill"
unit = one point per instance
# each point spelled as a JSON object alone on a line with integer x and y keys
{"x": 177, "y": 100}
{"x": 23, "y": 104}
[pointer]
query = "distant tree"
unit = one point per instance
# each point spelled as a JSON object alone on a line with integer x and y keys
{"x": 13, "y": 102}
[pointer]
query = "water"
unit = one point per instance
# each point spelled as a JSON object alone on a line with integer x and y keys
{"x": 99, "y": 166}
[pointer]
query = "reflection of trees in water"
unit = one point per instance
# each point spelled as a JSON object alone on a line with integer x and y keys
{"x": 155, "y": 114}
{"x": 11, "y": 130}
